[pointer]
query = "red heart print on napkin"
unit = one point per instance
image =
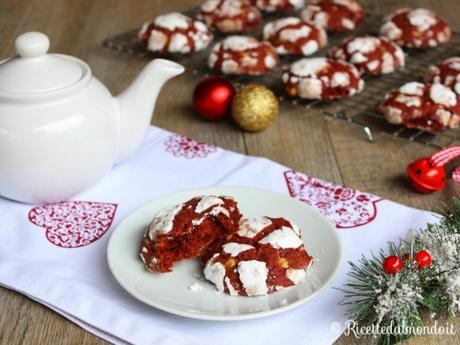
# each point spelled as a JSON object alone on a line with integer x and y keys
{"x": 73, "y": 224}
{"x": 181, "y": 146}
{"x": 345, "y": 207}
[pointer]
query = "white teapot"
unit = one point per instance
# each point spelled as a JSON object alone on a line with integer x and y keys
{"x": 60, "y": 128}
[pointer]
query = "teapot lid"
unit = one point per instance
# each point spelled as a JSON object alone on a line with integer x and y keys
{"x": 34, "y": 71}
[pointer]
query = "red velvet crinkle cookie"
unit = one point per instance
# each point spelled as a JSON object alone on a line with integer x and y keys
{"x": 431, "y": 107}
{"x": 446, "y": 73}
{"x": 242, "y": 55}
{"x": 230, "y": 15}
{"x": 279, "y": 5}
{"x": 419, "y": 28}
{"x": 293, "y": 36}
{"x": 334, "y": 15}
{"x": 264, "y": 256}
{"x": 183, "y": 231}
{"x": 371, "y": 55}
{"x": 321, "y": 78}
{"x": 175, "y": 33}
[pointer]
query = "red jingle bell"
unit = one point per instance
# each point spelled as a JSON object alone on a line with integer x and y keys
{"x": 426, "y": 177}
{"x": 392, "y": 264}
{"x": 213, "y": 97}
{"x": 423, "y": 258}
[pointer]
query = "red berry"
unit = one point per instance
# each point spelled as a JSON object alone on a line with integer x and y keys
{"x": 392, "y": 264}
{"x": 423, "y": 258}
{"x": 406, "y": 257}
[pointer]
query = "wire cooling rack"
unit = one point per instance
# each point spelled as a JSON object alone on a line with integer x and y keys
{"x": 360, "y": 110}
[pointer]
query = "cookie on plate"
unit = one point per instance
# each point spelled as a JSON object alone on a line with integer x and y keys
{"x": 334, "y": 15}
{"x": 175, "y": 33}
{"x": 446, "y": 73}
{"x": 279, "y": 5}
{"x": 431, "y": 107}
{"x": 183, "y": 231}
{"x": 294, "y": 36}
{"x": 322, "y": 78}
{"x": 230, "y": 15}
{"x": 242, "y": 55}
{"x": 371, "y": 55}
{"x": 264, "y": 256}
{"x": 419, "y": 28}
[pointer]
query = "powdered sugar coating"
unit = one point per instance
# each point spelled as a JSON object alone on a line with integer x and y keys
{"x": 416, "y": 28}
{"x": 447, "y": 73}
{"x": 293, "y": 36}
{"x": 413, "y": 88}
{"x": 253, "y": 275}
{"x": 229, "y": 15}
{"x": 195, "y": 287}
{"x": 172, "y": 21}
{"x": 240, "y": 43}
{"x": 371, "y": 55}
{"x": 233, "y": 248}
{"x": 334, "y": 15}
{"x": 279, "y": 5}
{"x": 250, "y": 227}
{"x": 206, "y": 202}
{"x": 431, "y": 107}
{"x": 321, "y": 78}
{"x": 175, "y": 33}
{"x": 163, "y": 221}
{"x": 242, "y": 55}
{"x": 422, "y": 19}
{"x": 443, "y": 95}
{"x": 178, "y": 232}
{"x": 296, "y": 275}
{"x": 309, "y": 67}
{"x": 282, "y": 238}
{"x": 231, "y": 290}
{"x": 215, "y": 272}
{"x": 272, "y": 257}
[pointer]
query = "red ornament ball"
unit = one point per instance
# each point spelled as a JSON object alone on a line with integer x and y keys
{"x": 392, "y": 264}
{"x": 425, "y": 177}
{"x": 213, "y": 97}
{"x": 423, "y": 258}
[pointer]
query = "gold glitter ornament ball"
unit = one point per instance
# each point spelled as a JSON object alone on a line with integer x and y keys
{"x": 255, "y": 107}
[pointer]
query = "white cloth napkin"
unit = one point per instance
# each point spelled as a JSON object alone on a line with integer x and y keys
{"x": 56, "y": 254}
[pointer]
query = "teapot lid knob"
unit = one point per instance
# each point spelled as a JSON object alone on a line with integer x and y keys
{"x": 32, "y": 44}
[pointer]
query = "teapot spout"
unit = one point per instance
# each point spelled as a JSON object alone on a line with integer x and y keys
{"x": 136, "y": 103}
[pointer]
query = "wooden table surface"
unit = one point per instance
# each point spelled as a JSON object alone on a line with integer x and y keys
{"x": 308, "y": 142}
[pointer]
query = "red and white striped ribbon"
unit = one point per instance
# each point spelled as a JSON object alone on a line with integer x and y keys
{"x": 456, "y": 175}
{"x": 445, "y": 156}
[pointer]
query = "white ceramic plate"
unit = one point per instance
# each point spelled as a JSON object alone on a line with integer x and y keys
{"x": 171, "y": 291}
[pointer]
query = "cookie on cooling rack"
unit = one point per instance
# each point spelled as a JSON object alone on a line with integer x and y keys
{"x": 242, "y": 55}
{"x": 446, "y": 73}
{"x": 293, "y": 36}
{"x": 230, "y": 15}
{"x": 183, "y": 231}
{"x": 430, "y": 107}
{"x": 175, "y": 33}
{"x": 416, "y": 28}
{"x": 279, "y": 5}
{"x": 371, "y": 55}
{"x": 334, "y": 15}
{"x": 322, "y": 78}
{"x": 264, "y": 256}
